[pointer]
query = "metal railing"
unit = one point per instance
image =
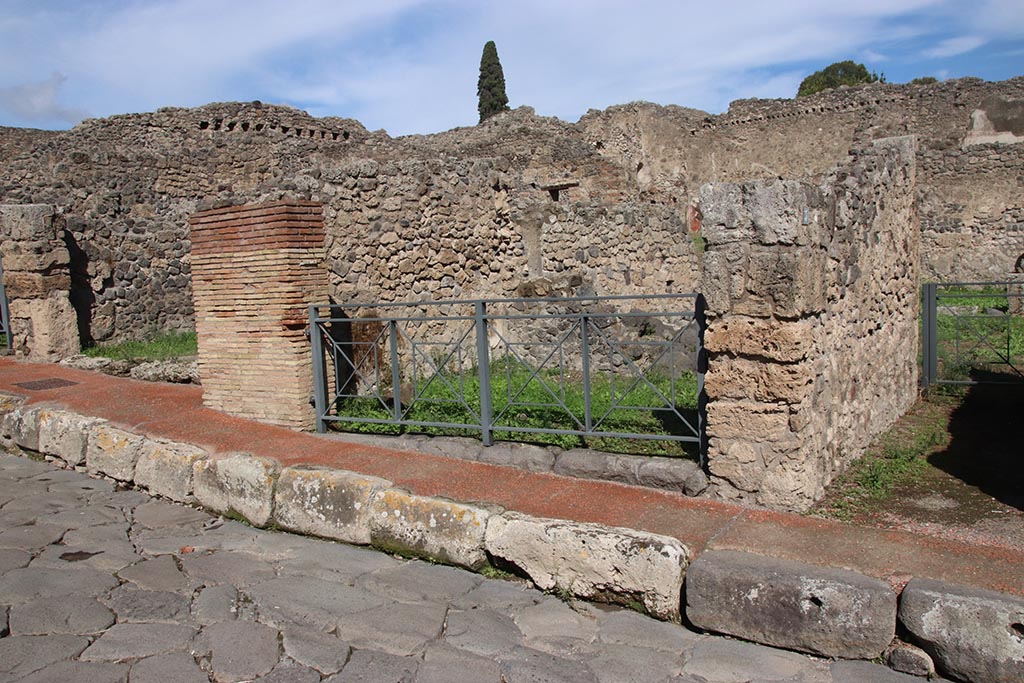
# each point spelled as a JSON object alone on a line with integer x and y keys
{"x": 590, "y": 366}
{"x": 5, "y": 313}
{"x": 972, "y": 332}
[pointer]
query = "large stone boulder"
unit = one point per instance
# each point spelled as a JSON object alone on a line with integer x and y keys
{"x": 973, "y": 634}
{"x": 830, "y": 612}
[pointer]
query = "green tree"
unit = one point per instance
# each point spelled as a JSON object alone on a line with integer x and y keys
{"x": 924, "y": 80}
{"x": 490, "y": 89}
{"x": 835, "y": 75}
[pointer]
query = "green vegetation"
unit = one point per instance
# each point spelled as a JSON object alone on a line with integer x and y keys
{"x": 975, "y": 332}
{"x": 835, "y": 75}
{"x": 924, "y": 80}
{"x": 158, "y": 347}
{"x": 896, "y": 457}
{"x": 520, "y": 400}
{"x": 490, "y": 88}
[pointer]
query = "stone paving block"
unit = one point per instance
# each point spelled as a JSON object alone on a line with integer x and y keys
{"x": 159, "y": 573}
{"x": 417, "y": 581}
{"x": 21, "y": 655}
{"x": 552, "y": 618}
{"x": 215, "y": 603}
{"x": 13, "y": 558}
{"x": 172, "y": 668}
{"x": 593, "y": 561}
{"x": 626, "y": 627}
{"x": 68, "y": 614}
{"x": 732, "y": 661}
{"x": 135, "y": 641}
{"x": 65, "y": 434}
{"x": 226, "y": 566}
{"x": 31, "y": 538}
{"x": 867, "y": 672}
{"x": 909, "y": 659}
{"x": 306, "y": 600}
{"x": 112, "y": 451}
{"x": 21, "y": 424}
{"x": 166, "y": 468}
{"x": 158, "y": 514}
{"x": 328, "y": 503}
{"x": 973, "y": 634}
{"x": 31, "y": 583}
{"x": 623, "y": 664}
{"x": 370, "y": 665}
{"x": 527, "y": 664}
{"x": 288, "y": 671}
{"x": 142, "y": 606}
{"x": 400, "y": 629}
{"x": 319, "y": 650}
{"x": 830, "y": 612}
{"x": 482, "y": 632}
{"x": 432, "y": 528}
{"x": 334, "y": 561}
{"x": 93, "y": 672}
{"x": 443, "y": 664}
{"x": 238, "y": 650}
{"x": 241, "y": 484}
{"x": 499, "y": 595}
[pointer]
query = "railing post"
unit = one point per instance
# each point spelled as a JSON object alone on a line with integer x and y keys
{"x": 701, "y": 318}
{"x": 588, "y": 413}
{"x": 483, "y": 356}
{"x": 396, "y": 374}
{"x": 319, "y": 371}
{"x": 929, "y": 333}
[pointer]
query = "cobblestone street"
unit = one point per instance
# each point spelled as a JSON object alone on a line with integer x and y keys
{"x": 99, "y": 584}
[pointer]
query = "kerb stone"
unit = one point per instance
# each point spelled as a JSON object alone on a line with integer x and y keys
{"x": 65, "y": 435}
{"x": 241, "y": 484}
{"x": 593, "y": 561}
{"x": 830, "y": 612}
{"x": 973, "y": 634}
{"x": 327, "y": 503}
{"x": 113, "y": 452}
{"x": 22, "y": 425}
{"x": 166, "y": 468}
{"x": 433, "y": 528}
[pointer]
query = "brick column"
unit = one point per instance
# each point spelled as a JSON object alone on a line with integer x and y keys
{"x": 37, "y": 278}
{"x": 255, "y": 269}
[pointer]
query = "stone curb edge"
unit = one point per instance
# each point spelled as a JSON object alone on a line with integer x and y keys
{"x": 971, "y": 634}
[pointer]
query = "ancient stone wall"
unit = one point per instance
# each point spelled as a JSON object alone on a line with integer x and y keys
{"x": 812, "y": 335}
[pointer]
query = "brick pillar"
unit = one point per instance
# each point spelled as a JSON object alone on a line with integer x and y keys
{"x": 255, "y": 270}
{"x": 37, "y": 278}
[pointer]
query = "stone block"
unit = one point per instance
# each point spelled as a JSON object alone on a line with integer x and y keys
{"x": 326, "y": 503}
{"x": 673, "y": 474}
{"x": 590, "y": 464}
{"x": 166, "y": 468}
{"x": 433, "y": 528}
{"x": 593, "y": 561}
{"x": 65, "y": 435}
{"x": 748, "y": 420}
{"x": 756, "y": 380}
{"x": 520, "y": 455}
{"x": 973, "y": 634}
{"x": 112, "y": 451}
{"x": 9, "y": 402}
{"x": 21, "y": 424}
{"x": 782, "y": 341}
{"x": 240, "y": 484}
{"x": 829, "y": 612}
{"x": 909, "y": 659}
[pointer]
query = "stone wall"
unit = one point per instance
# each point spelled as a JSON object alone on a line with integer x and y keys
{"x": 36, "y": 281}
{"x": 812, "y": 335}
{"x": 257, "y": 268}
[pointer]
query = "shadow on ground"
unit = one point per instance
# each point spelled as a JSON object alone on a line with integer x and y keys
{"x": 986, "y": 448}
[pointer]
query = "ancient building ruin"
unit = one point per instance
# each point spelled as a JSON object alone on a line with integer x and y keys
{"x": 612, "y": 204}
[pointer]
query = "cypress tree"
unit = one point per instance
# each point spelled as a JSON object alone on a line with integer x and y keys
{"x": 491, "y": 86}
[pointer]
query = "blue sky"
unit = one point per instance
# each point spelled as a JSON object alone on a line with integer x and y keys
{"x": 410, "y": 66}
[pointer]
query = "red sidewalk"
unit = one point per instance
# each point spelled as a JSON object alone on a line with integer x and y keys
{"x": 176, "y": 412}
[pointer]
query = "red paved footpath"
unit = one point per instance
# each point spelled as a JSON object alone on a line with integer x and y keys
{"x": 176, "y": 412}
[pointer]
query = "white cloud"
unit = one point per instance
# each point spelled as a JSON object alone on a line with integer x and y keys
{"x": 954, "y": 46}
{"x": 37, "y": 102}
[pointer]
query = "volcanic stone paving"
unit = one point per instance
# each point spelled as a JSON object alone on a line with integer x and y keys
{"x": 101, "y": 584}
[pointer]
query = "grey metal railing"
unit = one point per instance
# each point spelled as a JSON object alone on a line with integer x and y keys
{"x": 590, "y": 366}
{"x": 5, "y": 313}
{"x": 972, "y": 332}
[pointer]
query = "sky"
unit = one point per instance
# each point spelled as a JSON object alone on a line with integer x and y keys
{"x": 411, "y": 66}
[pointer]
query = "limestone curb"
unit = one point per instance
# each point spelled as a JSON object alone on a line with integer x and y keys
{"x": 588, "y": 561}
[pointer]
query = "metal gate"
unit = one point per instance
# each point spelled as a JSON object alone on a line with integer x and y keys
{"x": 972, "y": 333}
{"x": 612, "y": 367}
{"x": 5, "y": 314}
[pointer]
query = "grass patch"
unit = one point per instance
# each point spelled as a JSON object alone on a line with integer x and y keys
{"x": 895, "y": 458}
{"x": 522, "y": 400}
{"x": 976, "y": 332}
{"x": 160, "y": 347}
